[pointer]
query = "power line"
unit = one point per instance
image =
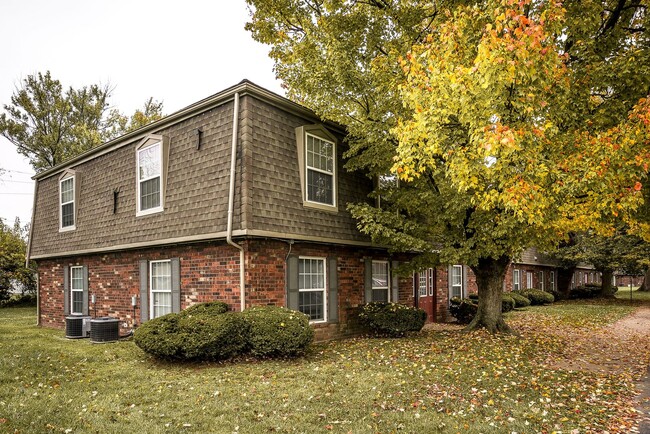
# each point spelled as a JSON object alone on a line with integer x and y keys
{"x": 17, "y": 171}
{"x": 19, "y": 194}
{"x": 20, "y": 182}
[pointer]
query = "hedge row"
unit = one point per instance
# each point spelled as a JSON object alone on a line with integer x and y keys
{"x": 208, "y": 332}
{"x": 464, "y": 309}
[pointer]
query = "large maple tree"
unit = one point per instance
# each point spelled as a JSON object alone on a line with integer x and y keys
{"x": 508, "y": 124}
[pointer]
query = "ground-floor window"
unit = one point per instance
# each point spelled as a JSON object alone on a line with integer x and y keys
{"x": 551, "y": 281}
{"x": 457, "y": 281}
{"x": 529, "y": 280}
{"x": 515, "y": 280}
{"x": 380, "y": 281}
{"x": 160, "y": 275}
{"x": 541, "y": 280}
{"x": 311, "y": 288}
{"x": 76, "y": 290}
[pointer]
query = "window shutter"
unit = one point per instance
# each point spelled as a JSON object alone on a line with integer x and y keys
{"x": 416, "y": 293}
{"x": 176, "y": 285}
{"x": 144, "y": 291}
{"x": 333, "y": 296}
{"x": 85, "y": 287}
{"x": 394, "y": 288}
{"x": 465, "y": 289}
{"x": 368, "y": 279}
{"x": 66, "y": 290}
{"x": 292, "y": 282}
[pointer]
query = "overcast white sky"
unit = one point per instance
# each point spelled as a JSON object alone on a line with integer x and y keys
{"x": 177, "y": 52}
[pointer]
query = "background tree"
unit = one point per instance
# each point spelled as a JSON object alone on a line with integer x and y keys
{"x": 13, "y": 272}
{"x": 508, "y": 123}
{"x": 49, "y": 125}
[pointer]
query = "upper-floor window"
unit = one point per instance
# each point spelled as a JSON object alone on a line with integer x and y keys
{"x": 149, "y": 160}
{"x": 321, "y": 175}
{"x": 316, "y": 149}
{"x": 67, "y": 203}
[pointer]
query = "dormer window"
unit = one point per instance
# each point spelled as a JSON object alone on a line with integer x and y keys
{"x": 317, "y": 164}
{"x": 67, "y": 202}
{"x": 150, "y": 175}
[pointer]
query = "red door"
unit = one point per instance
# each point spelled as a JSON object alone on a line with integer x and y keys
{"x": 425, "y": 290}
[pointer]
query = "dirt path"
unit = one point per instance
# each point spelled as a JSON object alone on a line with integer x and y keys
{"x": 620, "y": 348}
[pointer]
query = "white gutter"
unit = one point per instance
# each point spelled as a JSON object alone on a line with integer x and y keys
{"x": 231, "y": 202}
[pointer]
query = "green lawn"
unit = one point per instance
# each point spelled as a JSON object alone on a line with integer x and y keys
{"x": 438, "y": 381}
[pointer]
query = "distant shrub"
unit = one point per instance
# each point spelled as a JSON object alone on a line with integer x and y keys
{"x": 507, "y": 303}
{"x": 464, "y": 310}
{"x": 17, "y": 300}
{"x": 536, "y": 296}
{"x": 392, "y": 319}
{"x": 277, "y": 331}
{"x": 206, "y": 336}
{"x": 520, "y": 300}
{"x": 211, "y": 308}
{"x": 582, "y": 292}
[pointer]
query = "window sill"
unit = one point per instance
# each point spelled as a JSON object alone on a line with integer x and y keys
{"x": 149, "y": 212}
{"x": 321, "y": 206}
{"x": 68, "y": 228}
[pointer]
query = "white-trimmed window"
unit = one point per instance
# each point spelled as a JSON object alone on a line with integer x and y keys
{"x": 160, "y": 282}
{"x": 320, "y": 155}
{"x": 312, "y": 294}
{"x": 551, "y": 282}
{"x": 149, "y": 174}
{"x": 380, "y": 281}
{"x": 422, "y": 283}
{"x": 67, "y": 203}
{"x": 541, "y": 280}
{"x": 573, "y": 280}
{"x": 516, "y": 280}
{"x": 529, "y": 280}
{"x": 457, "y": 281}
{"x": 431, "y": 282}
{"x": 76, "y": 290}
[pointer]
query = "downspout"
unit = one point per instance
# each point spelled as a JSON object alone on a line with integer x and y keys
{"x": 231, "y": 202}
{"x": 28, "y": 252}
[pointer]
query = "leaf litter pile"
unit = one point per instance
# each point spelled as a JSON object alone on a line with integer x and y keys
{"x": 571, "y": 369}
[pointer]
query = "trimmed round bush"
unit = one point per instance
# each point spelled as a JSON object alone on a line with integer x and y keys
{"x": 277, "y": 331}
{"x": 201, "y": 336}
{"x": 160, "y": 337}
{"x": 536, "y": 296}
{"x": 211, "y": 308}
{"x": 520, "y": 300}
{"x": 507, "y": 303}
{"x": 392, "y": 319}
{"x": 464, "y": 310}
{"x": 213, "y": 337}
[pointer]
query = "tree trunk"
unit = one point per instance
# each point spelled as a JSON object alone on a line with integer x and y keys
{"x": 490, "y": 273}
{"x": 645, "y": 285}
{"x": 564, "y": 276}
{"x": 606, "y": 288}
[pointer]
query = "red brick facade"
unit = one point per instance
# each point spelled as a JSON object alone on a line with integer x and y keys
{"x": 209, "y": 271}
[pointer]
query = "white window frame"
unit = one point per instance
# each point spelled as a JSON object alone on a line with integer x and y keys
{"x": 73, "y": 202}
{"x": 152, "y": 290}
{"x": 323, "y": 290}
{"x": 540, "y": 276}
{"x": 74, "y": 289}
{"x": 422, "y": 283}
{"x": 529, "y": 280}
{"x": 334, "y": 202}
{"x": 516, "y": 280}
{"x": 551, "y": 283}
{"x": 138, "y": 181}
{"x": 431, "y": 283}
{"x": 453, "y": 285}
{"x": 387, "y": 287}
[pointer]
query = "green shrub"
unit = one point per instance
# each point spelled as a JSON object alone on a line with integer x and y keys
{"x": 507, "y": 303}
{"x": 583, "y": 292}
{"x": 536, "y": 296}
{"x": 213, "y": 337}
{"x": 277, "y": 331}
{"x": 464, "y": 310}
{"x": 211, "y": 308}
{"x": 160, "y": 337}
{"x": 473, "y": 296}
{"x": 392, "y": 319}
{"x": 16, "y": 300}
{"x": 520, "y": 300}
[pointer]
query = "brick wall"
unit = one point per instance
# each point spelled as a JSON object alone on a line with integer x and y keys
{"x": 210, "y": 271}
